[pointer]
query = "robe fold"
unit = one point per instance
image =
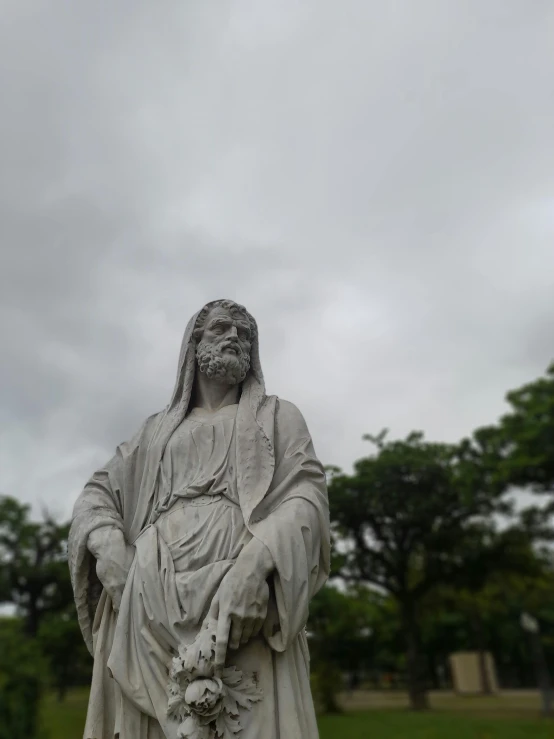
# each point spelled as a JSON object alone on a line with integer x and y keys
{"x": 282, "y": 501}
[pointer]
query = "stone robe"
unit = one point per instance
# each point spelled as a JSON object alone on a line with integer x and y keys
{"x": 188, "y": 492}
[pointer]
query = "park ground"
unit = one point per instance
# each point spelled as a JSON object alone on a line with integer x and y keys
{"x": 511, "y": 715}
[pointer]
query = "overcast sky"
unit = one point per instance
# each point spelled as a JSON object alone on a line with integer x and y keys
{"x": 373, "y": 180}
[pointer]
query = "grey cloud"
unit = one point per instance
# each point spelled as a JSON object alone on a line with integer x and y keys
{"x": 373, "y": 180}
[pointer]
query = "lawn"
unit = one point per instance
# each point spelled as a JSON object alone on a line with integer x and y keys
{"x": 388, "y": 724}
{"x": 65, "y": 720}
{"x": 511, "y": 716}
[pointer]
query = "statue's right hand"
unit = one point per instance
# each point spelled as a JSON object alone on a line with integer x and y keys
{"x": 113, "y": 560}
{"x": 113, "y": 576}
{"x": 239, "y": 607}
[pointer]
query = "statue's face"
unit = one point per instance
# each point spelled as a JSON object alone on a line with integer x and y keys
{"x": 223, "y": 352}
{"x": 231, "y": 334}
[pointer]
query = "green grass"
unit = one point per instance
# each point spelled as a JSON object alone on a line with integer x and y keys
{"x": 65, "y": 720}
{"x": 386, "y": 724}
{"x": 509, "y": 704}
{"x": 511, "y": 716}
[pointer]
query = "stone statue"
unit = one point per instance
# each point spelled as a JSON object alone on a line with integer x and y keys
{"x": 195, "y": 551}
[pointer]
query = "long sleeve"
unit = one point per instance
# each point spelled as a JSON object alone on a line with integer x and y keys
{"x": 101, "y": 504}
{"x": 97, "y": 507}
{"x": 293, "y": 522}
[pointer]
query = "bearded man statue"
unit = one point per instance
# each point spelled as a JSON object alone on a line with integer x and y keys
{"x": 195, "y": 551}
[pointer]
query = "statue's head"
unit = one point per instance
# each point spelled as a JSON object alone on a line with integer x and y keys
{"x": 224, "y": 333}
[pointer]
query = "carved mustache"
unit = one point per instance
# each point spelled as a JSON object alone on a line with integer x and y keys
{"x": 231, "y": 345}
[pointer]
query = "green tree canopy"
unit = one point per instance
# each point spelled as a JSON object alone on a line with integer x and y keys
{"x": 519, "y": 446}
{"x": 403, "y": 521}
{"x": 33, "y": 563}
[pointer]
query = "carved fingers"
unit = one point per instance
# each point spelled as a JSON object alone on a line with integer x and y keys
{"x": 250, "y": 629}
{"x": 112, "y": 568}
{"x": 221, "y": 641}
{"x": 240, "y": 608}
{"x": 112, "y": 579}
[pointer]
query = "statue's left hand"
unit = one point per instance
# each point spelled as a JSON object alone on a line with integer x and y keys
{"x": 240, "y": 604}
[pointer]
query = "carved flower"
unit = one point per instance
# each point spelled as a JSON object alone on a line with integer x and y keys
{"x": 204, "y": 697}
{"x": 205, "y": 706}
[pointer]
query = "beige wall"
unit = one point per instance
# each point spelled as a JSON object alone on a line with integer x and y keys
{"x": 466, "y": 675}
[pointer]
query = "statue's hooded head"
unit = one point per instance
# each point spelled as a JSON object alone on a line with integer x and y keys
{"x": 221, "y": 341}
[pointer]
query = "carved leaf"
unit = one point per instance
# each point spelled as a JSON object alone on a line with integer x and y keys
{"x": 227, "y": 725}
{"x": 190, "y": 729}
{"x": 232, "y": 676}
{"x": 241, "y": 690}
{"x": 177, "y": 708}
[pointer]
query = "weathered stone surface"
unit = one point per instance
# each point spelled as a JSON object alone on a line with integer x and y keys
{"x": 195, "y": 551}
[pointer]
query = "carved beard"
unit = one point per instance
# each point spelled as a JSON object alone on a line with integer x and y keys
{"x": 225, "y": 367}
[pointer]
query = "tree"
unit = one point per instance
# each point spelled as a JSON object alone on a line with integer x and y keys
{"x": 21, "y": 677}
{"x": 62, "y": 646}
{"x": 401, "y": 521}
{"x": 519, "y": 446}
{"x": 33, "y": 566}
{"x": 340, "y": 638}
{"x": 494, "y": 561}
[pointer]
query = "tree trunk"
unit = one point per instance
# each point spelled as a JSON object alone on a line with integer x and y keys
{"x": 432, "y": 671}
{"x": 417, "y": 689}
{"x": 479, "y": 632}
{"x": 484, "y": 673}
{"x": 61, "y": 692}
{"x": 32, "y": 621}
{"x": 327, "y": 680}
{"x": 543, "y": 675}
